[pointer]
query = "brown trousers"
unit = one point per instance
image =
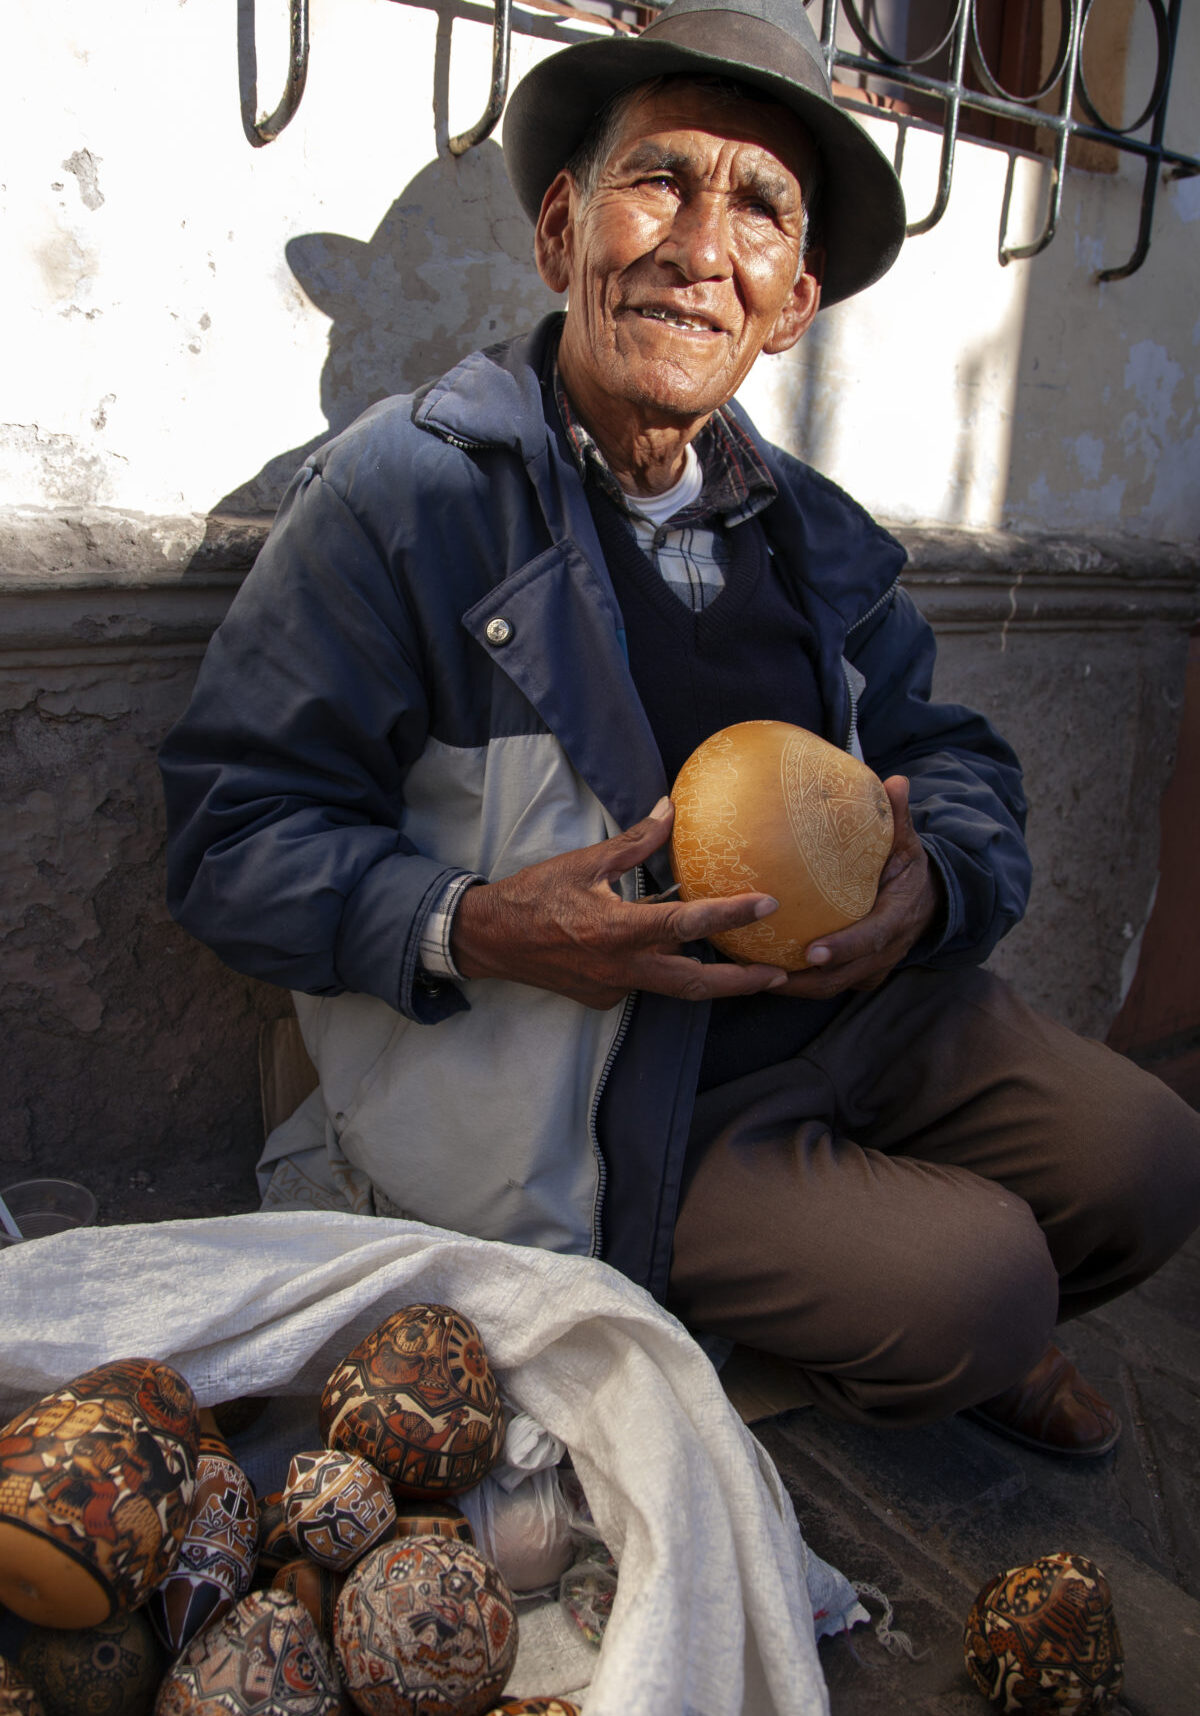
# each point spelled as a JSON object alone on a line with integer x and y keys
{"x": 907, "y": 1208}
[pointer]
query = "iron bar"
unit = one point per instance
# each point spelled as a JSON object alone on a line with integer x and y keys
{"x": 1150, "y": 186}
{"x": 952, "y": 108}
{"x": 501, "y": 38}
{"x": 267, "y": 130}
{"x": 1058, "y": 172}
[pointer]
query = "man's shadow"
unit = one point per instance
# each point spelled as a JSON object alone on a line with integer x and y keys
{"x": 449, "y": 269}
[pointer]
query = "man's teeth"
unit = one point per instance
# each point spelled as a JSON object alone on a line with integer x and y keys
{"x": 677, "y": 321}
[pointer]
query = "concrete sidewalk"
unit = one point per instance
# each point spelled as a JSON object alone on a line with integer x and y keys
{"x": 929, "y": 1515}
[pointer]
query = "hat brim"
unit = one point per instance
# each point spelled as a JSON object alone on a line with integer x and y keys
{"x": 862, "y": 214}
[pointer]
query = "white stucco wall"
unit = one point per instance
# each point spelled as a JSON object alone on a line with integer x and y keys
{"x": 184, "y": 314}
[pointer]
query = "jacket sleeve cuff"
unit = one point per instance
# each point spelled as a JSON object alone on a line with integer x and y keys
{"x": 379, "y": 939}
{"x": 948, "y": 920}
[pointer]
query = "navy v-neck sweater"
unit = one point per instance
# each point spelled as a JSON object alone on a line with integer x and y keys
{"x": 747, "y": 656}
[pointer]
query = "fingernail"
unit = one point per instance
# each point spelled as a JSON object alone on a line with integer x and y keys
{"x": 778, "y": 982}
{"x": 766, "y": 906}
{"x": 818, "y": 956}
{"x": 661, "y": 809}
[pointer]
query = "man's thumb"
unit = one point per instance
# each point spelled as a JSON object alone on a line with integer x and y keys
{"x": 649, "y": 834}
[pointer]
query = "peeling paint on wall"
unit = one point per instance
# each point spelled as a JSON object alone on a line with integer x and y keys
{"x": 65, "y": 264}
{"x": 1089, "y": 456}
{"x": 60, "y": 469}
{"x": 1152, "y": 376}
{"x": 83, "y": 164}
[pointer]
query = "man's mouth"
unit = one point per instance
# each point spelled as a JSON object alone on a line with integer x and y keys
{"x": 677, "y": 319}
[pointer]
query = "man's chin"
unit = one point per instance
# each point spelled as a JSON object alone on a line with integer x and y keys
{"x": 675, "y": 399}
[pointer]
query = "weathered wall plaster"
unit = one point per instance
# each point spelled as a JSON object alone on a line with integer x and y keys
{"x": 186, "y": 315}
{"x": 129, "y": 1052}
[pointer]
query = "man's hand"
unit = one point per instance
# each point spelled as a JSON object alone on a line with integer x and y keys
{"x": 907, "y": 903}
{"x": 559, "y": 925}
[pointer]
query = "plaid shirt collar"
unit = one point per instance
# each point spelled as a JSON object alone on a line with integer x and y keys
{"x": 736, "y": 482}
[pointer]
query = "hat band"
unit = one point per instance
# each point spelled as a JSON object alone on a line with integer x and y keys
{"x": 749, "y": 42}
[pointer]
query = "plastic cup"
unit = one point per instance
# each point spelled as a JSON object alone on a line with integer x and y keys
{"x": 40, "y": 1207}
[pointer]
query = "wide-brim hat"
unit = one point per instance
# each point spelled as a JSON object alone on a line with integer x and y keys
{"x": 767, "y": 44}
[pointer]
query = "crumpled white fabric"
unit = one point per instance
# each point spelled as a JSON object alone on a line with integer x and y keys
{"x": 713, "y": 1615}
{"x": 528, "y": 1448}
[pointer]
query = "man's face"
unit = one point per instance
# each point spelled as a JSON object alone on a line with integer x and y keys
{"x": 682, "y": 266}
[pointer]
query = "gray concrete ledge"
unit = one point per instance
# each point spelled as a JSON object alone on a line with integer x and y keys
{"x": 73, "y": 584}
{"x": 100, "y": 545}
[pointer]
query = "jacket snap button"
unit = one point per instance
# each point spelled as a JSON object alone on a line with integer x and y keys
{"x": 499, "y": 631}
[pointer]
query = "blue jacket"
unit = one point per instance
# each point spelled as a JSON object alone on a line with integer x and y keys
{"x": 357, "y": 740}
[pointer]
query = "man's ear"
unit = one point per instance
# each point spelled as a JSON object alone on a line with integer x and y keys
{"x": 552, "y": 236}
{"x": 796, "y": 317}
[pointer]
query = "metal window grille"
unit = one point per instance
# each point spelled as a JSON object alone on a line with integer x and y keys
{"x": 954, "y": 73}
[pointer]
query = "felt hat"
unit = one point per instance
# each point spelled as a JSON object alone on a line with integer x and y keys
{"x": 767, "y": 44}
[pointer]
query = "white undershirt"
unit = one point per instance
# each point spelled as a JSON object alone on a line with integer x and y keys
{"x": 657, "y": 509}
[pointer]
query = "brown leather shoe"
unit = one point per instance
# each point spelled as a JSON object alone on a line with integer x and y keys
{"x": 1052, "y": 1409}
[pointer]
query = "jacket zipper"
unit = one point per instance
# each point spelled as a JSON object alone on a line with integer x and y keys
{"x": 459, "y": 441}
{"x": 622, "y": 1030}
{"x": 852, "y": 724}
{"x": 593, "y": 1131}
{"x": 875, "y": 607}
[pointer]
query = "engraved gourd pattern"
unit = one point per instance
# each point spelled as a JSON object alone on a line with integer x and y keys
{"x": 832, "y": 824}
{"x": 709, "y": 854}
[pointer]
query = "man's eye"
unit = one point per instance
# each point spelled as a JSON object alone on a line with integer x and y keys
{"x": 658, "y": 181}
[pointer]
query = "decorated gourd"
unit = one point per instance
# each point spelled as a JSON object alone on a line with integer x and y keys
{"x": 17, "y": 1697}
{"x": 425, "y": 1627}
{"x": 535, "y": 1707}
{"x": 276, "y": 1545}
{"x": 96, "y": 1485}
{"x": 317, "y": 1587}
{"x": 1042, "y": 1640}
{"x": 417, "y": 1398}
{"x": 765, "y": 807}
{"x": 109, "y": 1670}
{"x": 262, "y": 1658}
{"x": 336, "y": 1506}
{"x": 217, "y": 1555}
{"x": 432, "y": 1519}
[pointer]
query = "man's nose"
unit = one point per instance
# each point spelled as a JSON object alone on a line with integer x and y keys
{"x": 698, "y": 243}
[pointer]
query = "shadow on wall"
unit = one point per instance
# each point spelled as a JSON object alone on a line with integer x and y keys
{"x": 449, "y": 269}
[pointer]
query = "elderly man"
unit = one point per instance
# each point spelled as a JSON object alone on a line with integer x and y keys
{"x": 424, "y": 783}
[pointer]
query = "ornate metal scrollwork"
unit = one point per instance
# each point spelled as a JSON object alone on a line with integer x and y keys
{"x": 958, "y": 46}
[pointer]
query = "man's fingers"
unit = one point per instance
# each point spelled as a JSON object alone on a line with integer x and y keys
{"x": 692, "y": 980}
{"x": 870, "y": 938}
{"x": 635, "y": 844}
{"x": 905, "y": 839}
{"x": 696, "y": 920}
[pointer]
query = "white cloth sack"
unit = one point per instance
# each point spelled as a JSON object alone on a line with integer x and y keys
{"x": 713, "y": 1615}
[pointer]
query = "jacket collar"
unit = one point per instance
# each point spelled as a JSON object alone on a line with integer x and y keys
{"x": 493, "y": 398}
{"x": 829, "y": 544}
